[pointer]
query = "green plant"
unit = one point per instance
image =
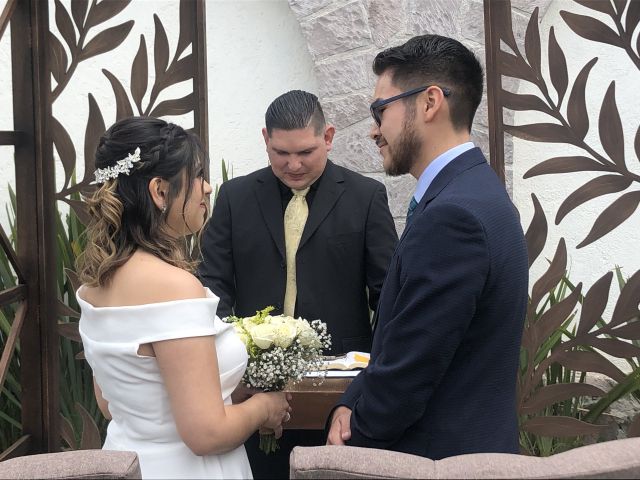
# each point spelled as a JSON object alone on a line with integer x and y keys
{"x": 559, "y": 349}
{"x": 10, "y": 406}
{"x": 82, "y": 424}
{"x": 227, "y": 172}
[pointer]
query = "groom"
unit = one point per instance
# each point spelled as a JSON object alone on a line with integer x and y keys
{"x": 444, "y": 361}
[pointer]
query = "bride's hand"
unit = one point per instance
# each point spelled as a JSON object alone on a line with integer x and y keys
{"x": 242, "y": 393}
{"x": 278, "y": 411}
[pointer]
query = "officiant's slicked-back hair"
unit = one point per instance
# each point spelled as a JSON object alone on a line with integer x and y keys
{"x": 436, "y": 60}
{"x": 295, "y": 110}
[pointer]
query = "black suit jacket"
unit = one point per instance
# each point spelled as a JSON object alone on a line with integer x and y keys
{"x": 442, "y": 377}
{"x": 344, "y": 251}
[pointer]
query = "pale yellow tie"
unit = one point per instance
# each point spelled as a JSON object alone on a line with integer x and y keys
{"x": 295, "y": 216}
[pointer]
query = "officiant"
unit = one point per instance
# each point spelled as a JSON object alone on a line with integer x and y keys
{"x": 309, "y": 237}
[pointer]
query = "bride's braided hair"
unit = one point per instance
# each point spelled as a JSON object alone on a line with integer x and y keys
{"x": 123, "y": 215}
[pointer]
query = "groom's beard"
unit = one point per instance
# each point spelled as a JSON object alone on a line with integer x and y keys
{"x": 404, "y": 152}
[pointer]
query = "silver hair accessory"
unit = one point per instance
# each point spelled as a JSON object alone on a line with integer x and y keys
{"x": 122, "y": 166}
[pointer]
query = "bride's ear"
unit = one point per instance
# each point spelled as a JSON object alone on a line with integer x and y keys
{"x": 159, "y": 188}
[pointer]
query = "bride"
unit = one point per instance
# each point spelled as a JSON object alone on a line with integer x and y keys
{"x": 164, "y": 365}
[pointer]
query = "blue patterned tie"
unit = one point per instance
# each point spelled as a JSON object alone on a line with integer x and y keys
{"x": 412, "y": 207}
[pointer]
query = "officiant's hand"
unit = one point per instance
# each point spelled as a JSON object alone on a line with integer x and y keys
{"x": 340, "y": 430}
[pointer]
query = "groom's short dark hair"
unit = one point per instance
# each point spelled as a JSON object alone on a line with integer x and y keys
{"x": 437, "y": 60}
{"x": 294, "y": 110}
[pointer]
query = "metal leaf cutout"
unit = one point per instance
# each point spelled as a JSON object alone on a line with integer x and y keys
{"x": 178, "y": 72}
{"x": 540, "y": 132}
{"x": 630, "y": 331}
{"x": 610, "y": 127}
{"x": 532, "y": 43}
{"x": 593, "y": 188}
{"x": 594, "y": 303}
{"x": 178, "y": 106}
{"x": 106, "y": 40}
{"x": 139, "y": 74}
{"x": 590, "y": 362}
{"x": 619, "y": 4}
{"x": 522, "y": 102}
{"x": 561, "y": 426}
{"x": 565, "y": 165}
{"x": 591, "y": 29}
{"x": 612, "y": 216}
{"x": 95, "y": 129}
{"x": 65, "y": 310}
{"x": 186, "y": 26}
{"x": 64, "y": 146}
{"x": 598, "y": 5}
{"x": 557, "y": 67}
{"x": 104, "y": 10}
{"x": 90, "y": 433}
{"x": 58, "y": 60}
{"x": 556, "y": 315}
{"x": 615, "y": 347}
{"x": 536, "y": 235}
{"x": 160, "y": 48}
{"x": 123, "y": 107}
{"x": 627, "y": 304}
{"x": 73, "y": 278}
{"x": 550, "y": 394}
{"x": 552, "y": 276}
{"x": 79, "y": 12}
{"x": 577, "y": 115}
{"x": 80, "y": 208}
{"x": 65, "y": 25}
{"x": 513, "y": 66}
{"x": 70, "y": 330}
{"x": 67, "y": 433}
{"x": 633, "y": 16}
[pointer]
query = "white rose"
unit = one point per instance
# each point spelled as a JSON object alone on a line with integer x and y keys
{"x": 285, "y": 334}
{"x": 263, "y": 335}
{"x": 275, "y": 320}
{"x": 299, "y": 324}
{"x": 309, "y": 338}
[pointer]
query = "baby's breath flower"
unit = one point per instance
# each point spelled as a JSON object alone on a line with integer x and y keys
{"x": 281, "y": 349}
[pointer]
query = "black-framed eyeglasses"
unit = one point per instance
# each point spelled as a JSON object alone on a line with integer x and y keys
{"x": 376, "y": 107}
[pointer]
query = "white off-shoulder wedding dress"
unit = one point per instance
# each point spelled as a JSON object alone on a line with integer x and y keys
{"x": 138, "y": 400}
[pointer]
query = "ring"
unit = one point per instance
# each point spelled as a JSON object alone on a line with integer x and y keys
{"x": 286, "y": 418}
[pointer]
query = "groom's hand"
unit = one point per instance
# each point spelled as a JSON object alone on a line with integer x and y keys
{"x": 340, "y": 430}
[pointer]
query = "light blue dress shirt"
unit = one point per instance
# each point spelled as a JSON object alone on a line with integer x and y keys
{"x": 436, "y": 166}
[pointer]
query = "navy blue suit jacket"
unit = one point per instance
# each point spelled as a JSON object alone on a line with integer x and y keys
{"x": 442, "y": 377}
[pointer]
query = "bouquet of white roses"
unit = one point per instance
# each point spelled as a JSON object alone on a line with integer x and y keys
{"x": 281, "y": 351}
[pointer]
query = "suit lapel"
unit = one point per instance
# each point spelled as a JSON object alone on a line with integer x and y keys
{"x": 329, "y": 191}
{"x": 270, "y": 203}
{"x": 461, "y": 163}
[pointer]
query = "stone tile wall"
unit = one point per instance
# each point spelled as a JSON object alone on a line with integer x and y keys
{"x": 343, "y": 37}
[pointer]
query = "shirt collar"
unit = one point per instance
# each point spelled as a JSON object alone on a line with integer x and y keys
{"x": 286, "y": 191}
{"x": 436, "y": 166}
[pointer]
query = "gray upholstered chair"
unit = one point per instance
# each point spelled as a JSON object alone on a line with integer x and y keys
{"x": 85, "y": 464}
{"x": 614, "y": 459}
